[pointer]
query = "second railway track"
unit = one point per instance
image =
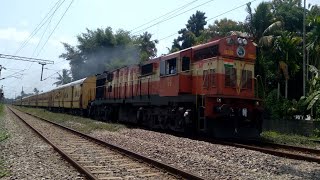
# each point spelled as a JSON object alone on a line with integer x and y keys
{"x": 281, "y": 150}
{"x": 100, "y": 160}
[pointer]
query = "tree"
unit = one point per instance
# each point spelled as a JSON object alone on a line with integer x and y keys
{"x": 188, "y": 36}
{"x": 223, "y": 27}
{"x": 256, "y": 23}
{"x": 36, "y": 91}
{"x": 196, "y": 23}
{"x": 290, "y": 13}
{"x": 147, "y": 46}
{"x": 102, "y": 49}
{"x": 313, "y": 36}
{"x": 64, "y": 78}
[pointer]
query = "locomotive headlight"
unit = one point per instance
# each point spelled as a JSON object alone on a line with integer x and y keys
{"x": 240, "y": 41}
{"x": 257, "y": 103}
{"x": 219, "y": 100}
{"x": 245, "y": 42}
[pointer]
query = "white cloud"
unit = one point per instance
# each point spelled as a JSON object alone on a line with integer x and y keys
{"x": 12, "y": 34}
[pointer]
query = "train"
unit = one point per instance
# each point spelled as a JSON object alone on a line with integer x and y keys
{"x": 205, "y": 89}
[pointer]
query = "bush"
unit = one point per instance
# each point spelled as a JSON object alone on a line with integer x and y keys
{"x": 316, "y": 133}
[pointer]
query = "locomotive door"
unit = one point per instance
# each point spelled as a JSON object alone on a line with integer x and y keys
{"x": 201, "y": 114}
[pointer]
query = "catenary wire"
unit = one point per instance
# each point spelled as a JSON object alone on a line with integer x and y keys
{"x": 39, "y": 26}
{"x": 136, "y": 32}
{"x": 55, "y": 27}
{"x": 213, "y": 17}
{"x": 164, "y": 15}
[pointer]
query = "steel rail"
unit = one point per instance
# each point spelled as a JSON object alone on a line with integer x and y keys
{"x": 297, "y": 153}
{"x": 82, "y": 169}
{"x": 171, "y": 169}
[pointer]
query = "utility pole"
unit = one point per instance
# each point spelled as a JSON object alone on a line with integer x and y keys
{"x": 21, "y": 58}
{"x": 42, "y": 64}
{"x": 304, "y": 48}
{"x": 1, "y": 67}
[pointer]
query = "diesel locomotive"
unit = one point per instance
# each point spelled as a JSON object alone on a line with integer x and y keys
{"x": 207, "y": 89}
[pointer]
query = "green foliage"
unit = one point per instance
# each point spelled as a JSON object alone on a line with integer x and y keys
{"x": 84, "y": 125}
{"x": 64, "y": 78}
{"x": 3, "y": 135}
{"x": 284, "y": 108}
{"x": 188, "y": 36}
{"x": 290, "y": 139}
{"x": 102, "y": 49}
{"x": 316, "y": 133}
{"x": 256, "y": 22}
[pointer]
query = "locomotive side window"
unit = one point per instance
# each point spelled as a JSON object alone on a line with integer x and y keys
{"x": 205, "y": 53}
{"x": 230, "y": 77}
{"x": 147, "y": 69}
{"x": 205, "y": 78}
{"x": 110, "y": 77}
{"x": 246, "y": 79}
{"x": 185, "y": 64}
{"x": 213, "y": 77}
{"x": 168, "y": 67}
{"x": 209, "y": 78}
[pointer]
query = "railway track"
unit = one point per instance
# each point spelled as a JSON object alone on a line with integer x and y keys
{"x": 97, "y": 159}
{"x": 281, "y": 150}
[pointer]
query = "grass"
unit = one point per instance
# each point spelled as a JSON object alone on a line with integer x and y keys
{"x": 289, "y": 139}
{"x": 3, "y": 135}
{"x": 81, "y": 124}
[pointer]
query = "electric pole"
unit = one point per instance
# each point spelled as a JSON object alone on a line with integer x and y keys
{"x": 304, "y": 48}
{"x": 1, "y": 67}
{"x": 21, "y": 58}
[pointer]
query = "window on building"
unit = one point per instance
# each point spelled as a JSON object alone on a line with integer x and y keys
{"x": 230, "y": 77}
{"x": 246, "y": 79}
{"x": 185, "y": 64}
{"x": 168, "y": 67}
{"x": 147, "y": 69}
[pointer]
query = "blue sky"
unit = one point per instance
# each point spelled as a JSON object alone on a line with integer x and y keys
{"x": 19, "y": 18}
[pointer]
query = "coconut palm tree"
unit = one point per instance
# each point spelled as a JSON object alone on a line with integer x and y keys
{"x": 64, "y": 78}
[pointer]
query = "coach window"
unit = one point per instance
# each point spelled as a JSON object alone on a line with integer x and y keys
{"x": 147, "y": 69}
{"x": 185, "y": 64}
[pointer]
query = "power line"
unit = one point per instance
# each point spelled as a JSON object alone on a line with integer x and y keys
{"x": 34, "y": 51}
{"x": 177, "y": 9}
{"x": 39, "y": 26}
{"x": 213, "y": 17}
{"x": 55, "y": 27}
{"x": 171, "y": 17}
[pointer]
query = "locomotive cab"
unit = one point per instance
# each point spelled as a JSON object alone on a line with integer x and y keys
{"x": 224, "y": 86}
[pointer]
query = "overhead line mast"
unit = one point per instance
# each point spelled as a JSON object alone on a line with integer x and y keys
{"x": 42, "y": 62}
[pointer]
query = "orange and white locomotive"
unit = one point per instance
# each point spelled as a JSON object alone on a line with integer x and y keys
{"x": 208, "y": 88}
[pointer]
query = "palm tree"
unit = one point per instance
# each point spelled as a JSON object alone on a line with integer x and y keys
{"x": 64, "y": 78}
{"x": 313, "y": 45}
